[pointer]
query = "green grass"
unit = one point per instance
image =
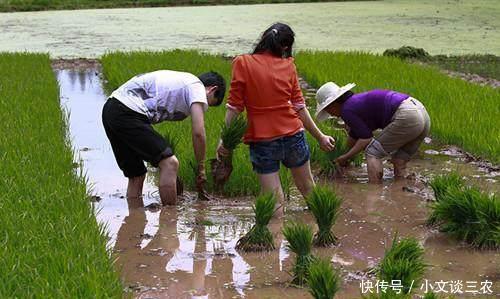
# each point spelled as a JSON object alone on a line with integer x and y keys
{"x": 119, "y": 67}
{"x": 487, "y": 66}
{"x": 461, "y": 113}
{"x": 51, "y": 245}
{"x": 442, "y": 183}
{"x": 469, "y": 215}
{"x": 403, "y": 261}
{"x": 300, "y": 241}
{"x": 323, "y": 281}
{"x": 33, "y": 5}
{"x": 259, "y": 237}
{"x": 324, "y": 204}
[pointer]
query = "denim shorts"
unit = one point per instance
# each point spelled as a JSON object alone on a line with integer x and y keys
{"x": 292, "y": 151}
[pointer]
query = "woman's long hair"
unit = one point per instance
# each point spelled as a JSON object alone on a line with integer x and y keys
{"x": 277, "y": 39}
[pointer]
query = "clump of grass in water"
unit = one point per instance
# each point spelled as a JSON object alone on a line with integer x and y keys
{"x": 404, "y": 261}
{"x": 323, "y": 280}
{"x": 324, "y": 205}
{"x": 442, "y": 183}
{"x": 231, "y": 136}
{"x": 259, "y": 237}
{"x": 469, "y": 215}
{"x": 300, "y": 240}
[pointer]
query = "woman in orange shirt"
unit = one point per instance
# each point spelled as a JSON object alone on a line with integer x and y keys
{"x": 265, "y": 84}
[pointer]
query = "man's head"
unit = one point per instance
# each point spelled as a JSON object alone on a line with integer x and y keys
{"x": 215, "y": 85}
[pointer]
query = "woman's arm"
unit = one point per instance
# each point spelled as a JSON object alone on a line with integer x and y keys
{"x": 327, "y": 143}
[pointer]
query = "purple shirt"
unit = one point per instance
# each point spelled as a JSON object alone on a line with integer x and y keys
{"x": 371, "y": 110}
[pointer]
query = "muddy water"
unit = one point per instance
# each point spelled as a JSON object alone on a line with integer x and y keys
{"x": 189, "y": 251}
{"x": 441, "y": 27}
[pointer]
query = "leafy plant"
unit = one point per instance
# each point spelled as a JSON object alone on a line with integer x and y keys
{"x": 442, "y": 183}
{"x": 323, "y": 281}
{"x": 404, "y": 261}
{"x": 232, "y": 135}
{"x": 469, "y": 215}
{"x": 300, "y": 240}
{"x": 325, "y": 206}
{"x": 259, "y": 237}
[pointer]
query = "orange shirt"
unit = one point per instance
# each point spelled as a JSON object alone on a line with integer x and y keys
{"x": 268, "y": 88}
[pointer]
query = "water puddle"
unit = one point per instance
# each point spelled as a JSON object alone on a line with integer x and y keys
{"x": 189, "y": 251}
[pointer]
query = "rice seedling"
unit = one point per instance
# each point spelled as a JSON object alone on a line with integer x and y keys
{"x": 325, "y": 206}
{"x": 259, "y": 237}
{"x": 231, "y": 136}
{"x": 469, "y": 215}
{"x": 323, "y": 281}
{"x": 403, "y": 262}
{"x": 326, "y": 160}
{"x": 286, "y": 182}
{"x": 300, "y": 240}
{"x": 51, "y": 245}
{"x": 462, "y": 113}
{"x": 442, "y": 183}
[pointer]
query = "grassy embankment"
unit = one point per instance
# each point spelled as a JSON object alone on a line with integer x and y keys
{"x": 51, "y": 245}
{"x": 34, "y": 5}
{"x": 461, "y": 113}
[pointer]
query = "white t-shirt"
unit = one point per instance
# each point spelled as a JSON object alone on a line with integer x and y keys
{"x": 162, "y": 95}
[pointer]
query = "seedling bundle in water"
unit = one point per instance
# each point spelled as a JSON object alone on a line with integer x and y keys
{"x": 231, "y": 137}
{"x": 300, "y": 240}
{"x": 469, "y": 215}
{"x": 259, "y": 237}
{"x": 323, "y": 280}
{"x": 324, "y": 205}
{"x": 404, "y": 262}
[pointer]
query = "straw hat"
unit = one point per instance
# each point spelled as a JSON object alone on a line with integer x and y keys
{"x": 326, "y": 95}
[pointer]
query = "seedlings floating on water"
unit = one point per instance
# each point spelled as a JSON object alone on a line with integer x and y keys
{"x": 325, "y": 206}
{"x": 259, "y": 238}
{"x": 323, "y": 281}
{"x": 300, "y": 241}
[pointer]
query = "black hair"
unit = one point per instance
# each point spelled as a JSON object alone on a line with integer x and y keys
{"x": 344, "y": 97}
{"x": 277, "y": 39}
{"x": 214, "y": 79}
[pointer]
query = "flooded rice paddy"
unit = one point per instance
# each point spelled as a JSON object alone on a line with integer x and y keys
{"x": 189, "y": 251}
{"x": 440, "y": 27}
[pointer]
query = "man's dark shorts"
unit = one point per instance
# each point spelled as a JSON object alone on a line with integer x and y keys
{"x": 292, "y": 151}
{"x": 132, "y": 138}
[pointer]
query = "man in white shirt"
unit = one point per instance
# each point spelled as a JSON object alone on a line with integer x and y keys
{"x": 151, "y": 98}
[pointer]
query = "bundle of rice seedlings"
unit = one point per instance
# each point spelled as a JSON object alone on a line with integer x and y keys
{"x": 300, "y": 241}
{"x": 286, "y": 182}
{"x": 259, "y": 237}
{"x": 442, "y": 183}
{"x": 325, "y": 206}
{"x": 469, "y": 215}
{"x": 327, "y": 159}
{"x": 323, "y": 280}
{"x": 404, "y": 261}
{"x": 222, "y": 166}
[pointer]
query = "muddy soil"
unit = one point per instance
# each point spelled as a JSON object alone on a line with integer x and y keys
{"x": 189, "y": 251}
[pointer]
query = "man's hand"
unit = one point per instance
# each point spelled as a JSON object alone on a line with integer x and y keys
{"x": 326, "y": 143}
{"x": 342, "y": 161}
{"x": 222, "y": 151}
{"x": 201, "y": 178}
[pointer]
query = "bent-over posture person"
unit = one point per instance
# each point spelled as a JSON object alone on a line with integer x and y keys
{"x": 266, "y": 85}
{"x": 151, "y": 98}
{"x": 403, "y": 120}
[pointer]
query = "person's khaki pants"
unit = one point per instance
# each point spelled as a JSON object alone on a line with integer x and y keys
{"x": 402, "y": 137}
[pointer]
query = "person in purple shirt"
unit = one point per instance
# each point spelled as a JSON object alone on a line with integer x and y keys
{"x": 403, "y": 120}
